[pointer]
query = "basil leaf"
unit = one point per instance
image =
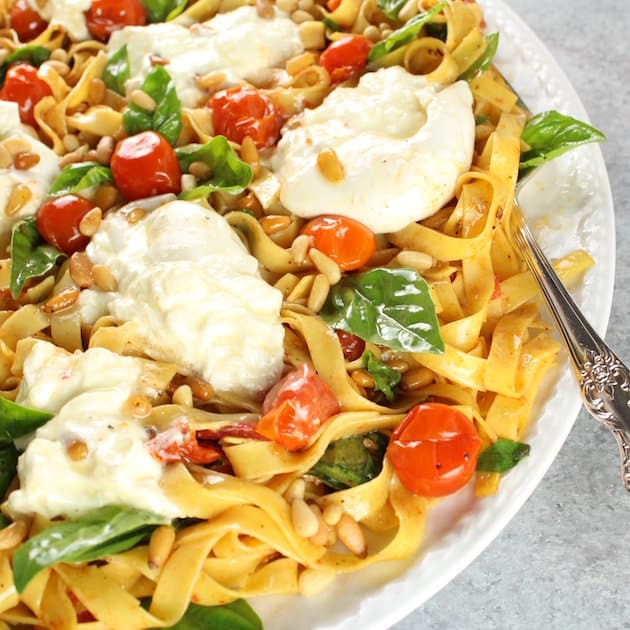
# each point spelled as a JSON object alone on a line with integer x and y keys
{"x": 166, "y": 119}
{"x": 76, "y": 177}
{"x": 385, "y": 378}
{"x": 391, "y": 307}
{"x": 237, "y": 615}
{"x": 163, "y": 10}
{"x": 351, "y": 461}
{"x": 35, "y": 55}
{"x": 101, "y": 533}
{"x": 550, "y": 134}
{"x": 229, "y": 173}
{"x": 331, "y": 25}
{"x": 481, "y": 119}
{"x": 16, "y": 420}
{"x": 31, "y": 257}
{"x": 483, "y": 63}
{"x": 391, "y": 8}
{"x": 405, "y": 34}
{"x": 501, "y": 456}
{"x": 8, "y": 467}
{"x": 116, "y": 71}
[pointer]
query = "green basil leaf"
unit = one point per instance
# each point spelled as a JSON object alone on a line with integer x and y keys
{"x": 116, "y": 71}
{"x": 481, "y": 119}
{"x": 501, "y": 456}
{"x": 351, "y": 461}
{"x": 404, "y": 34}
{"x": 237, "y": 615}
{"x": 385, "y": 378}
{"x": 16, "y": 420}
{"x": 31, "y": 257}
{"x": 76, "y": 177}
{"x": 166, "y": 119}
{"x": 163, "y": 10}
{"x": 391, "y": 307}
{"x": 229, "y": 173}
{"x": 391, "y": 8}
{"x": 100, "y": 533}
{"x": 550, "y": 134}
{"x": 484, "y": 61}
{"x": 8, "y": 468}
{"x": 331, "y": 25}
{"x": 35, "y": 55}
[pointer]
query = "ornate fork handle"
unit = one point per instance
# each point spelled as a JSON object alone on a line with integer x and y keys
{"x": 604, "y": 380}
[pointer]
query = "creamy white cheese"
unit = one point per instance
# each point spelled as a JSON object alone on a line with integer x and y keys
{"x": 66, "y": 13}
{"x": 403, "y": 143}
{"x": 239, "y": 43}
{"x": 187, "y": 281}
{"x": 37, "y": 178}
{"x": 87, "y": 392}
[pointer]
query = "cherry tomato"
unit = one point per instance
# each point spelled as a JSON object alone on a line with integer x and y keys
{"x": 332, "y": 5}
{"x": 295, "y": 408}
{"x": 349, "y": 243}
{"x": 243, "y": 111}
{"x": 58, "y": 222}
{"x": 434, "y": 450}
{"x": 106, "y": 16}
{"x": 346, "y": 57}
{"x": 179, "y": 444}
{"x": 23, "y": 86}
{"x": 351, "y": 345}
{"x": 26, "y": 22}
{"x": 145, "y": 165}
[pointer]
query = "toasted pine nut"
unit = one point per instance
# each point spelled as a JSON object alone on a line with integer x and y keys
{"x": 300, "y": 16}
{"x": 211, "y": 81}
{"x": 251, "y": 203}
{"x": 361, "y": 377}
{"x": 160, "y": 545}
{"x": 264, "y": 9}
{"x": 188, "y": 182}
{"x": 408, "y": 10}
{"x": 313, "y": 34}
{"x": 63, "y": 299}
{"x": 321, "y": 537}
{"x": 104, "y": 150}
{"x": 417, "y": 378}
{"x": 351, "y": 535}
{"x": 249, "y": 151}
{"x": 104, "y": 278}
{"x": 330, "y": 167}
{"x": 105, "y": 196}
{"x": 417, "y": 260}
{"x": 13, "y": 534}
{"x": 332, "y": 514}
{"x": 156, "y": 60}
{"x": 81, "y": 270}
{"x": 70, "y": 142}
{"x": 19, "y": 197}
{"x": 59, "y": 66}
{"x": 299, "y": 248}
{"x": 142, "y": 100}
{"x": 325, "y": 265}
{"x": 273, "y": 223}
{"x": 372, "y": 33}
{"x": 183, "y": 396}
{"x": 295, "y": 490}
{"x": 398, "y": 364}
{"x": 306, "y": 5}
{"x": 386, "y": 32}
{"x": 75, "y": 156}
{"x": 138, "y": 406}
{"x": 296, "y": 64}
{"x": 306, "y": 524}
{"x": 200, "y": 389}
{"x": 5, "y": 157}
{"x": 200, "y": 170}
{"x": 319, "y": 293}
{"x": 96, "y": 91}
{"x": 287, "y": 6}
{"x": 313, "y": 581}
{"x": 59, "y": 54}
{"x": 77, "y": 450}
{"x": 89, "y": 224}
{"x": 24, "y": 161}
{"x": 16, "y": 144}
{"x": 135, "y": 215}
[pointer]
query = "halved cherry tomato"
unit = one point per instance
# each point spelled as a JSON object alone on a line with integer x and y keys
{"x": 144, "y": 165}
{"x": 351, "y": 345}
{"x": 434, "y": 450}
{"x": 243, "y": 111}
{"x": 179, "y": 444}
{"x": 295, "y": 408}
{"x": 58, "y": 222}
{"x": 23, "y": 86}
{"x": 25, "y": 21}
{"x": 331, "y": 5}
{"x": 106, "y": 16}
{"x": 346, "y": 57}
{"x": 349, "y": 243}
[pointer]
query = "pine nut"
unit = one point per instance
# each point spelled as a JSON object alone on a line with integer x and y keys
{"x": 75, "y": 156}
{"x": 5, "y": 157}
{"x": 319, "y": 293}
{"x": 104, "y": 150}
{"x": 325, "y": 265}
{"x": 313, "y": 34}
{"x": 295, "y": 490}
{"x": 417, "y": 378}
{"x": 296, "y": 64}
{"x": 24, "y": 161}
{"x": 361, "y": 377}
{"x": 273, "y": 223}
{"x": 142, "y": 100}
{"x": 408, "y": 10}
{"x": 306, "y": 524}
{"x": 332, "y": 514}
{"x": 16, "y": 144}
{"x": 138, "y": 406}
{"x": 417, "y": 260}
{"x": 299, "y": 248}
{"x": 211, "y": 81}
{"x": 398, "y": 364}
{"x": 183, "y": 396}
{"x": 249, "y": 151}
{"x": 313, "y": 581}
{"x": 300, "y": 16}
{"x": 63, "y": 299}
{"x": 19, "y": 197}
{"x": 59, "y": 54}
{"x": 321, "y": 537}
{"x": 329, "y": 166}
{"x": 156, "y": 60}
{"x": 104, "y": 278}
{"x": 70, "y": 142}
{"x": 81, "y": 270}
{"x": 264, "y": 9}
{"x": 386, "y": 32}
{"x": 96, "y": 91}
{"x": 200, "y": 389}
{"x": 306, "y": 5}
{"x": 188, "y": 182}
{"x": 106, "y": 196}
{"x": 288, "y": 6}
{"x": 251, "y": 203}
{"x": 351, "y": 535}
{"x": 200, "y": 170}
{"x": 77, "y": 450}
{"x": 160, "y": 545}
{"x": 135, "y": 215}
{"x": 13, "y": 534}
{"x": 89, "y": 224}
{"x": 372, "y": 33}
{"x": 59, "y": 67}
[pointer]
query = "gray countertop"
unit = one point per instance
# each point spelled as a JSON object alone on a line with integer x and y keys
{"x": 564, "y": 560}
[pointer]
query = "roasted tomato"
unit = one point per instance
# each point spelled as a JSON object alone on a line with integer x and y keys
{"x": 179, "y": 443}
{"x": 106, "y": 16}
{"x": 23, "y": 86}
{"x": 25, "y": 21}
{"x": 346, "y": 57}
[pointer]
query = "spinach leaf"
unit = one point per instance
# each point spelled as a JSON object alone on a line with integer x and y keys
{"x": 163, "y": 10}
{"x": 116, "y": 71}
{"x": 100, "y": 533}
{"x": 35, "y": 55}
{"x": 228, "y": 172}
{"x": 484, "y": 61}
{"x": 404, "y": 34}
{"x": 237, "y": 615}
{"x": 31, "y": 257}
{"x": 501, "y": 456}
{"x": 391, "y": 307}
{"x": 16, "y": 420}
{"x": 550, "y": 134}
{"x": 76, "y": 177}
{"x": 391, "y": 8}
{"x": 351, "y": 461}
{"x": 385, "y": 378}
{"x": 166, "y": 119}
{"x": 8, "y": 467}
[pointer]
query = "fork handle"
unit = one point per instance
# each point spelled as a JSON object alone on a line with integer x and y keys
{"x": 603, "y": 379}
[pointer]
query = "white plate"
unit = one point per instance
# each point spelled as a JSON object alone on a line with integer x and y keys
{"x": 569, "y": 206}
